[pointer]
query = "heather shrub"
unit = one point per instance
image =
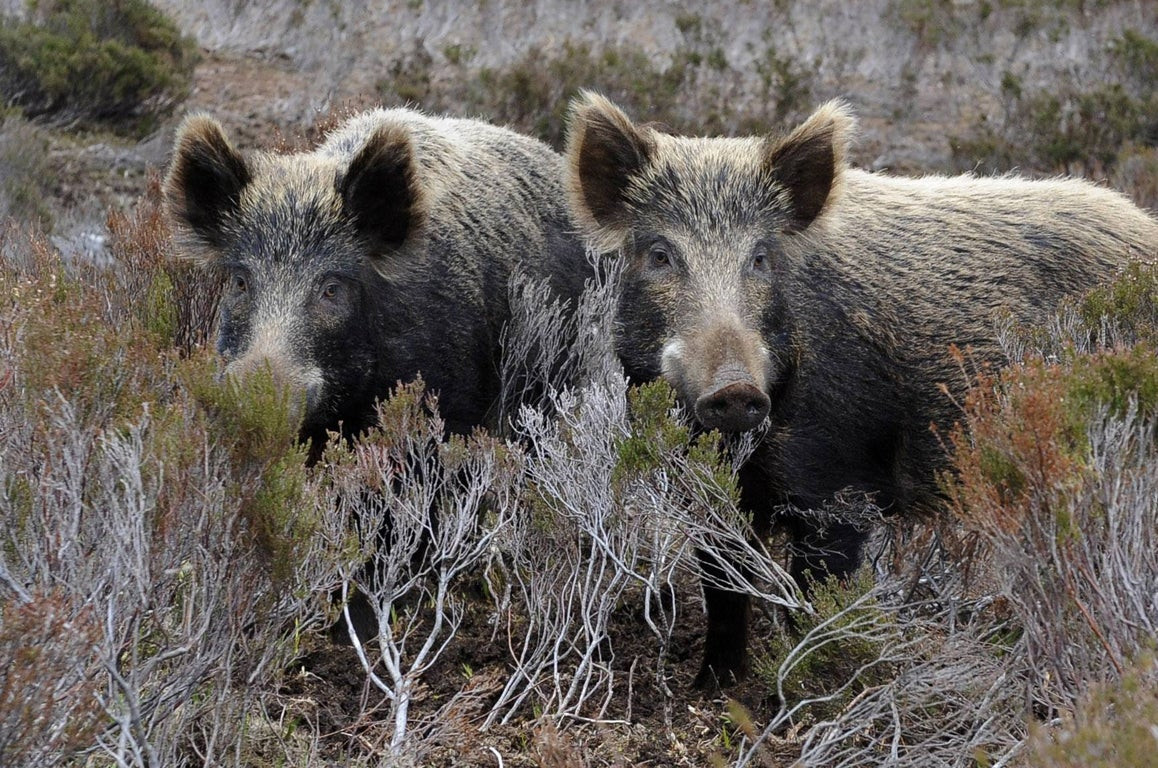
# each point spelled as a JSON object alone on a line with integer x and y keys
{"x": 532, "y": 94}
{"x": 159, "y": 550}
{"x": 26, "y": 174}
{"x": 1027, "y": 608}
{"x": 1058, "y": 477}
{"x": 830, "y": 656}
{"x": 1124, "y": 311}
{"x": 166, "y": 550}
{"x": 48, "y": 687}
{"x": 1136, "y": 173}
{"x": 1106, "y": 131}
{"x": 173, "y": 299}
{"x": 1113, "y": 725}
{"x": 171, "y": 565}
{"x": 617, "y": 494}
{"x": 65, "y": 343}
{"x": 120, "y": 64}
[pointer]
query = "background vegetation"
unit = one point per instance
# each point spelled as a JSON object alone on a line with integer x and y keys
{"x": 171, "y": 572}
{"x": 121, "y": 63}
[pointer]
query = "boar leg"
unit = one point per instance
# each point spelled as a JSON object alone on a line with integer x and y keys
{"x": 822, "y": 551}
{"x": 725, "y": 645}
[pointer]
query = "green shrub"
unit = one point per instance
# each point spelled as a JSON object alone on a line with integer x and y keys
{"x": 70, "y": 343}
{"x": 1113, "y": 727}
{"x": 834, "y": 653}
{"x": 26, "y": 175}
{"x": 1136, "y": 172}
{"x": 48, "y": 691}
{"x": 1136, "y": 56}
{"x": 1027, "y": 439}
{"x": 532, "y": 94}
{"x": 1130, "y": 303}
{"x": 1028, "y": 447}
{"x": 656, "y": 436}
{"x": 258, "y": 424}
{"x": 172, "y": 298}
{"x": 1054, "y": 478}
{"x": 931, "y": 21}
{"x": 159, "y": 529}
{"x": 119, "y": 63}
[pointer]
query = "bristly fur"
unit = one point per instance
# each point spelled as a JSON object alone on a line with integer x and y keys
{"x": 770, "y": 265}
{"x": 207, "y": 177}
{"x": 822, "y": 140}
{"x": 381, "y": 255}
{"x": 643, "y": 155}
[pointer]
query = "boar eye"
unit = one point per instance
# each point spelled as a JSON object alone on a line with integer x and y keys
{"x": 658, "y": 256}
{"x": 238, "y": 283}
{"x": 333, "y": 290}
{"x": 760, "y": 259}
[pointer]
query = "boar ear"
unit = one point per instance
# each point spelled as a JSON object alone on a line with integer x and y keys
{"x": 205, "y": 181}
{"x": 380, "y": 190}
{"x": 604, "y": 151}
{"x": 809, "y": 163}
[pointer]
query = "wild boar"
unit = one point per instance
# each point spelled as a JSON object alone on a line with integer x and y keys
{"x": 766, "y": 279}
{"x": 383, "y": 254}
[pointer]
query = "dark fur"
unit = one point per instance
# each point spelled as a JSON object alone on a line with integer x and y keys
{"x": 384, "y": 254}
{"x": 836, "y": 293}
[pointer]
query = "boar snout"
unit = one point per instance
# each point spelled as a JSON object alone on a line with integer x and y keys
{"x": 733, "y": 405}
{"x": 720, "y": 369}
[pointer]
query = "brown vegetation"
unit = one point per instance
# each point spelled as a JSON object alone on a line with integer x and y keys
{"x": 168, "y": 560}
{"x": 170, "y": 568}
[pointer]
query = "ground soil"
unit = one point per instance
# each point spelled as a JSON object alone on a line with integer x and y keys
{"x": 641, "y": 725}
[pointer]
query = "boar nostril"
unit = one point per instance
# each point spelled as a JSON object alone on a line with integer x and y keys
{"x": 733, "y": 408}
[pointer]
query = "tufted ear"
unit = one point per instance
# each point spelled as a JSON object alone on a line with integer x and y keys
{"x": 604, "y": 152}
{"x": 205, "y": 181}
{"x": 380, "y": 190}
{"x": 808, "y": 163}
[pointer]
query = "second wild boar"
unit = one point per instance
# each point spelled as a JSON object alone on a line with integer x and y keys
{"x": 767, "y": 279}
{"x": 383, "y": 254}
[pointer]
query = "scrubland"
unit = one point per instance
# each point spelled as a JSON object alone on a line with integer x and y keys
{"x": 173, "y": 574}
